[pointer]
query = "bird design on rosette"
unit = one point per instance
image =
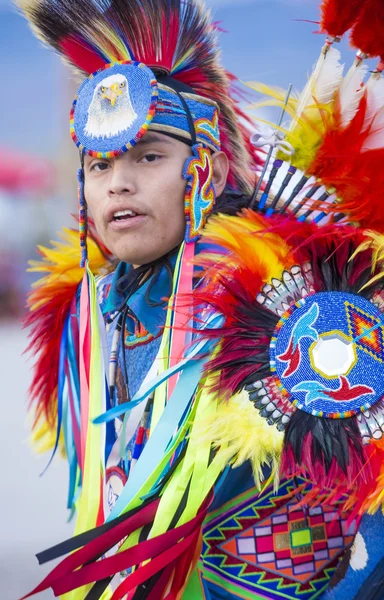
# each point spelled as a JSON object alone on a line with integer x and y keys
{"x": 344, "y": 393}
{"x": 111, "y": 110}
{"x": 303, "y": 328}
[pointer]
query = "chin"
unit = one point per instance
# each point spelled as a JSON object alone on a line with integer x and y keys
{"x": 138, "y": 258}
{"x": 141, "y": 250}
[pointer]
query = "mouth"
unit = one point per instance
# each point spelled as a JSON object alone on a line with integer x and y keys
{"x": 123, "y": 215}
{"x": 125, "y": 219}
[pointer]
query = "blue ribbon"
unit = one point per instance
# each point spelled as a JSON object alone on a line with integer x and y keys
{"x": 60, "y": 388}
{"x": 163, "y": 432}
{"x": 147, "y": 388}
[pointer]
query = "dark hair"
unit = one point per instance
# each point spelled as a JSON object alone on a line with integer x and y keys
{"x": 230, "y": 202}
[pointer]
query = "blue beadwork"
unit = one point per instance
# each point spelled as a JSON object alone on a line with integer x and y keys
{"x": 350, "y": 319}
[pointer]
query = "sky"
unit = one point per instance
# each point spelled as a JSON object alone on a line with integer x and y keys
{"x": 264, "y": 43}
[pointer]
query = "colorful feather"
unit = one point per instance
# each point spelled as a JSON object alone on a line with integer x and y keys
{"x": 49, "y": 303}
{"x": 349, "y": 159}
{"x": 311, "y": 111}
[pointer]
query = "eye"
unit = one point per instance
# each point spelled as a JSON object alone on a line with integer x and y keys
{"x": 122, "y": 84}
{"x": 103, "y": 88}
{"x": 99, "y": 166}
{"x": 150, "y": 157}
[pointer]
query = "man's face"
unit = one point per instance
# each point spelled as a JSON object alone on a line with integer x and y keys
{"x": 137, "y": 199}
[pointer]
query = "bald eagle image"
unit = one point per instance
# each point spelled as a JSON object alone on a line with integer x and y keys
{"x": 111, "y": 110}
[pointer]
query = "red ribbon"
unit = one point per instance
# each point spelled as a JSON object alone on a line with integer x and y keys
{"x": 142, "y": 552}
{"x": 97, "y": 547}
{"x": 154, "y": 566}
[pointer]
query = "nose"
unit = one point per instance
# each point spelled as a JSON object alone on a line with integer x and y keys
{"x": 121, "y": 180}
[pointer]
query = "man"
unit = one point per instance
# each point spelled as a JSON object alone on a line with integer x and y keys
{"x": 161, "y": 149}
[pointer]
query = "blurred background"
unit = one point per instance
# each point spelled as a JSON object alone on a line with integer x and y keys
{"x": 262, "y": 40}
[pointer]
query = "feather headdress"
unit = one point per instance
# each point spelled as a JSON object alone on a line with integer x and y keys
{"x": 171, "y": 37}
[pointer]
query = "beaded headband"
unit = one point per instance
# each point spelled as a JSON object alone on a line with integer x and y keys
{"x": 115, "y": 106}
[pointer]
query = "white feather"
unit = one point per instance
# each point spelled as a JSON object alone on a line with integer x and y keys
{"x": 375, "y": 95}
{"x": 329, "y": 77}
{"x": 375, "y": 113}
{"x": 351, "y": 92}
{"x": 324, "y": 81}
{"x": 359, "y": 554}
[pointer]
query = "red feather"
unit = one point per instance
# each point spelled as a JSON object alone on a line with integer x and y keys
{"x": 368, "y": 33}
{"x": 79, "y": 54}
{"x": 357, "y": 174}
{"x": 44, "y": 324}
{"x": 337, "y": 16}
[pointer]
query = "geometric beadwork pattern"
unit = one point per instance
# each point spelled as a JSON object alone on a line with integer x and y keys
{"x": 360, "y": 322}
{"x": 269, "y": 546}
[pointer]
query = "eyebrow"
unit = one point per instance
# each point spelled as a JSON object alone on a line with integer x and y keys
{"x": 153, "y": 138}
{"x": 148, "y": 138}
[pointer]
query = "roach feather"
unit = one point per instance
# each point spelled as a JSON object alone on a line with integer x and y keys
{"x": 169, "y": 36}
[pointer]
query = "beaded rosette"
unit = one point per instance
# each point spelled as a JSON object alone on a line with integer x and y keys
{"x": 326, "y": 358}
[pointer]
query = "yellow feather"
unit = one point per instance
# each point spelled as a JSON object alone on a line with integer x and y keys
{"x": 61, "y": 263}
{"x": 308, "y": 129}
{"x": 239, "y": 433}
{"x": 312, "y": 113}
{"x": 43, "y": 438}
{"x": 375, "y": 243}
{"x": 248, "y": 238}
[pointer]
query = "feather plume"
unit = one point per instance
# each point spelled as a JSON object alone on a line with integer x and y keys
{"x": 49, "y": 303}
{"x": 350, "y": 158}
{"x": 368, "y": 33}
{"x": 375, "y": 97}
{"x": 337, "y": 16}
{"x": 315, "y": 107}
{"x": 170, "y": 36}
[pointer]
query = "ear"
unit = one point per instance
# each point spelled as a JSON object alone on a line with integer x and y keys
{"x": 220, "y": 172}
